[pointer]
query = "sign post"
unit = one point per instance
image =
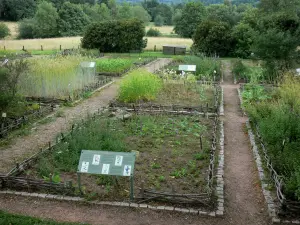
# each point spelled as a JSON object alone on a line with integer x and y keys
{"x": 107, "y": 163}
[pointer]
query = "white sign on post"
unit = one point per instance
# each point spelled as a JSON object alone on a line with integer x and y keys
{"x": 84, "y": 167}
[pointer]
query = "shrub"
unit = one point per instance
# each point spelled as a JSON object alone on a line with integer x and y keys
{"x": 139, "y": 85}
{"x": 159, "y": 21}
{"x": 26, "y": 29}
{"x": 4, "y": 30}
{"x": 153, "y": 32}
{"x": 115, "y": 36}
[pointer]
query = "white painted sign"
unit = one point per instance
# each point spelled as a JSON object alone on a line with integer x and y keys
{"x": 298, "y": 71}
{"x": 96, "y": 160}
{"x": 105, "y": 169}
{"x": 119, "y": 160}
{"x": 84, "y": 167}
{"x": 188, "y": 68}
{"x": 127, "y": 170}
{"x": 4, "y": 115}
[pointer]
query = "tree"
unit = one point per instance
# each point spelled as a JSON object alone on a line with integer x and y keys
{"x": 277, "y": 35}
{"x": 115, "y": 36}
{"x": 19, "y": 9}
{"x": 125, "y": 11}
{"x": 140, "y": 13}
{"x": 213, "y": 37}
{"x": 46, "y": 19}
{"x": 192, "y": 15}
{"x": 4, "y": 30}
{"x": 159, "y": 21}
{"x": 72, "y": 20}
{"x": 96, "y": 12}
{"x": 166, "y": 11}
{"x": 150, "y": 7}
{"x": 223, "y": 13}
{"x": 243, "y": 34}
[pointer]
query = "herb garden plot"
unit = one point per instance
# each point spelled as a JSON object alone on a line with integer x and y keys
{"x": 118, "y": 66}
{"x": 275, "y": 118}
{"x": 207, "y": 68}
{"x": 170, "y": 158}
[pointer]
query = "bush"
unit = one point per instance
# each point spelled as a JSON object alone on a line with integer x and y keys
{"x": 4, "y": 30}
{"x": 115, "y": 36}
{"x": 153, "y": 32}
{"x": 139, "y": 85}
{"x": 159, "y": 21}
{"x": 26, "y": 29}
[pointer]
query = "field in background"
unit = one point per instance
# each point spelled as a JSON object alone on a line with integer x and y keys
{"x": 13, "y": 27}
{"x": 74, "y": 42}
{"x": 165, "y": 30}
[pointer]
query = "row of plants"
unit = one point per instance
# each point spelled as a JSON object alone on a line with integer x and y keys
{"x": 164, "y": 89}
{"x": 276, "y": 113}
{"x": 207, "y": 68}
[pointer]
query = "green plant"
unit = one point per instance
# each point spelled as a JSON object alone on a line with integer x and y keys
{"x": 115, "y": 36}
{"x": 155, "y": 166}
{"x": 200, "y": 156}
{"x": 153, "y": 32}
{"x": 4, "y": 30}
{"x": 161, "y": 179}
{"x": 179, "y": 173}
{"x": 139, "y": 85}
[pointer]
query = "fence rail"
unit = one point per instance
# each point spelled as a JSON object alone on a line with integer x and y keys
{"x": 20, "y": 183}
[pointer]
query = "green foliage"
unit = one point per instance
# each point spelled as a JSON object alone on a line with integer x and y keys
{"x": 279, "y": 124}
{"x": 46, "y": 21}
{"x": 140, "y": 13}
{"x": 239, "y": 69}
{"x": 254, "y": 93}
{"x": 153, "y": 32}
{"x": 72, "y": 20}
{"x": 112, "y": 65}
{"x": 115, "y": 36}
{"x": 223, "y": 13}
{"x": 213, "y": 37}
{"x": 139, "y": 85}
{"x": 4, "y": 31}
{"x": 18, "y": 9}
{"x": 94, "y": 135}
{"x": 159, "y": 21}
{"x": 193, "y": 13}
{"x": 8, "y": 218}
{"x": 243, "y": 34}
{"x": 26, "y": 29}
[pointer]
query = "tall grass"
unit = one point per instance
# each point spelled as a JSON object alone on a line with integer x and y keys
{"x": 139, "y": 85}
{"x": 57, "y": 77}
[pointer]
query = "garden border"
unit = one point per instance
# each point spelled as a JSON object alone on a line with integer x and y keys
{"x": 273, "y": 209}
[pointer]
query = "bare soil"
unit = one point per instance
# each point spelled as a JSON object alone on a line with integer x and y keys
{"x": 244, "y": 203}
{"x": 24, "y": 146}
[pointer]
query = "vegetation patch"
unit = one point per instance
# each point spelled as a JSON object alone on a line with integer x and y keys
{"x": 169, "y": 156}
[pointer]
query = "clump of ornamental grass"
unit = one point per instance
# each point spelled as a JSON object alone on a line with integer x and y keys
{"x": 139, "y": 85}
{"x": 57, "y": 77}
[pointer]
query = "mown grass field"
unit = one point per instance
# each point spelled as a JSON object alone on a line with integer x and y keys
{"x": 74, "y": 42}
{"x": 11, "y": 43}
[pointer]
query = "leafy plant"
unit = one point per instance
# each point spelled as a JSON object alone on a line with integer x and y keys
{"x": 4, "y": 30}
{"x": 155, "y": 166}
{"x": 161, "y": 179}
{"x": 153, "y": 32}
{"x": 139, "y": 85}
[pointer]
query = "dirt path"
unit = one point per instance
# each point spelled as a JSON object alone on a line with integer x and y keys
{"x": 244, "y": 204}
{"x": 25, "y": 146}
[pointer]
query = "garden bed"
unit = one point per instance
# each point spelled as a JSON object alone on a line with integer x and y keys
{"x": 170, "y": 156}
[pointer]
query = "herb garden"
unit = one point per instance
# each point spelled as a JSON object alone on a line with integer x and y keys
{"x": 169, "y": 122}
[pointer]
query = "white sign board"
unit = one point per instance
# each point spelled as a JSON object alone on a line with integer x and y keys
{"x": 187, "y": 68}
{"x": 298, "y": 71}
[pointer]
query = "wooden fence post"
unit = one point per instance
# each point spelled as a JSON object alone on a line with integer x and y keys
{"x": 60, "y": 47}
{"x": 42, "y": 48}
{"x": 23, "y": 48}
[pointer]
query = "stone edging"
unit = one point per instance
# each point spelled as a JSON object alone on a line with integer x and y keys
{"x": 122, "y": 204}
{"x": 221, "y": 108}
{"x": 220, "y": 174}
{"x": 241, "y": 101}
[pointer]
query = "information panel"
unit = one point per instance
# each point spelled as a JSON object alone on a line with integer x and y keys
{"x": 188, "y": 68}
{"x": 108, "y": 163}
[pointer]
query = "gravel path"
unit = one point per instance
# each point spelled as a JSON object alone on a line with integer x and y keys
{"x": 23, "y": 147}
{"x": 244, "y": 204}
